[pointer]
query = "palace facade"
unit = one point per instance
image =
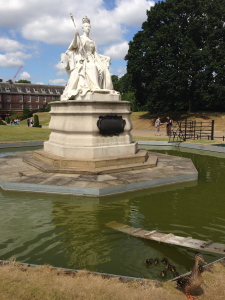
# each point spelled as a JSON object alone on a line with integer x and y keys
{"x": 17, "y": 96}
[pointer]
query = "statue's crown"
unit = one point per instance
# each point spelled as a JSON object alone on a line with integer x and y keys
{"x": 86, "y": 20}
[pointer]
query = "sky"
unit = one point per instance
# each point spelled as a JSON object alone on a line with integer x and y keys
{"x": 34, "y": 33}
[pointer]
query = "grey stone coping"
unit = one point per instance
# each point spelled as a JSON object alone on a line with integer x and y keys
{"x": 141, "y": 143}
{"x": 17, "y": 175}
{"x": 171, "y": 145}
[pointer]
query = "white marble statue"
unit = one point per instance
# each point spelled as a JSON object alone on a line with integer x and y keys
{"x": 88, "y": 71}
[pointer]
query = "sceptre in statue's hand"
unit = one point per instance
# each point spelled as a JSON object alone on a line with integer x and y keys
{"x": 71, "y": 16}
{"x": 77, "y": 33}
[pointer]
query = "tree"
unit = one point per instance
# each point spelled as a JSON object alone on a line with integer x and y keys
{"x": 22, "y": 81}
{"x": 36, "y": 121}
{"x": 177, "y": 60}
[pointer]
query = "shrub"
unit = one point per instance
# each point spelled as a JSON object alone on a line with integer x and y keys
{"x": 7, "y": 119}
{"x": 36, "y": 121}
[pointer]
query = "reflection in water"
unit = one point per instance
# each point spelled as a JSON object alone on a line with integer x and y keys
{"x": 70, "y": 232}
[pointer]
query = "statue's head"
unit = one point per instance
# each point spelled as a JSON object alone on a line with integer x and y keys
{"x": 86, "y": 26}
{"x": 86, "y": 20}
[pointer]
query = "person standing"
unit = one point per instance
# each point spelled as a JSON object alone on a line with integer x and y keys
{"x": 28, "y": 122}
{"x": 157, "y": 126}
{"x": 169, "y": 123}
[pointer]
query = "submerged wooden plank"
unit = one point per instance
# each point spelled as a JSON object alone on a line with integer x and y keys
{"x": 170, "y": 238}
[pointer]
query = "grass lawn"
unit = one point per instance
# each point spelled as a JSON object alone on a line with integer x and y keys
{"x": 23, "y": 134}
{"x": 44, "y": 119}
{"x": 140, "y": 120}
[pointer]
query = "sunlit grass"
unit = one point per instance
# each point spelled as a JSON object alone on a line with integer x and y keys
{"x": 44, "y": 118}
{"x": 23, "y": 134}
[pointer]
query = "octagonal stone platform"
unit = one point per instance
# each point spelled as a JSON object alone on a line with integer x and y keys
{"x": 17, "y": 175}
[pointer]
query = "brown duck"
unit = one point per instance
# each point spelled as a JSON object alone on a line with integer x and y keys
{"x": 193, "y": 281}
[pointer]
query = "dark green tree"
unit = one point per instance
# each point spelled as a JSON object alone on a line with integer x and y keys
{"x": 36, "y": 121}
{"x": 116, "y": 83}
{"x": 22, "y": 81}
{"x": 177, "y": 60}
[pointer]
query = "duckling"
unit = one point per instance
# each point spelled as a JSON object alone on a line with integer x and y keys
{"x": 164, "y": 260}
{"x": 172, "y": 268}
{"x": 167, "y": 266}
{"x": 149, "y": 261}
{"x": 156, "y": 261}
{"x": 163, "y": 273}
{"x": 191, "y": 282}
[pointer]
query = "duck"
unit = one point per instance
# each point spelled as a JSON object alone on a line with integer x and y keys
{"x": 163, "y": 273}
{"x": 201, "y": 269}
{"x": 149, "y": 261}
{"x": 193, "y": 281}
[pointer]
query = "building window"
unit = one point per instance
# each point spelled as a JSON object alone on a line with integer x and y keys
{"x": 27, "y": 90}
{"x": 9, "y": 106}
{"x": 19, "y": 89}
{"x": 44, "y": 98}
{"x": 20, "y": 98}
{"x": 43, "y": 90}
{"x": 0, "y": 105}
{"x": 35, "y": 90}
{"x": 30, "y": 106}
{"x": 7, "y": 89}
{"x": 57, "y": 91}
{"x": 52, "y": 98}
{"x": 29, "y": 98}
{"x": 50, "y": 91}
{"x": 21, "y": 106}
{"x": 37, "y": 106}
{"x": 37, "y": 99}
{"x": 8, "y": 98}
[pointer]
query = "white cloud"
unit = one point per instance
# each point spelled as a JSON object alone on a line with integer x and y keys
{"x": 57, "y": 81}
{"x": 13, "y": 59}
{"x": 121, "y": 71}
{"x": 117, "y": 51}
{"x": 29, "y": 23}
{"x": 25, "y": 76}
{"x": 49, "y": 21}
{"x": 61, "y": 70}
{"x": 131, "y": 12}
{"x": 8, "y": 45}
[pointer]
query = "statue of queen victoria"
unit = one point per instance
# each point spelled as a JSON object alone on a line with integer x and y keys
{"x": 88, "y": 71}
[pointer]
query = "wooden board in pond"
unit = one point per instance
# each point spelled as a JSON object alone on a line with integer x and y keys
{"x": 169, "y": 238}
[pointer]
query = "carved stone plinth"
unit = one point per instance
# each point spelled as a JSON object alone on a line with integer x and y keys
{"x": 75, "y": 133}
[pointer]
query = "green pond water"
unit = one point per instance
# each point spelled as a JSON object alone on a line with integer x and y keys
{"x": 71, "y": 232}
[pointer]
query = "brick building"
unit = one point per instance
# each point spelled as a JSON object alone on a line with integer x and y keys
{"x": 17, "y": 96}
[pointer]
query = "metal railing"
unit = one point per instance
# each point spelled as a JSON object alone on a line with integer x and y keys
{"x": 184, "y": 130}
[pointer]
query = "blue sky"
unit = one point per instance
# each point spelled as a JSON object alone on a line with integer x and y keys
{"x": 33, "y": 34}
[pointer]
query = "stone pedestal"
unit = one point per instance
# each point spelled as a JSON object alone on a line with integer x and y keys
{"x": 74, "y": 130}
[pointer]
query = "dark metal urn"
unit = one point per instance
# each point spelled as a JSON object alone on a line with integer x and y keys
{"x": 111, "y": 125}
